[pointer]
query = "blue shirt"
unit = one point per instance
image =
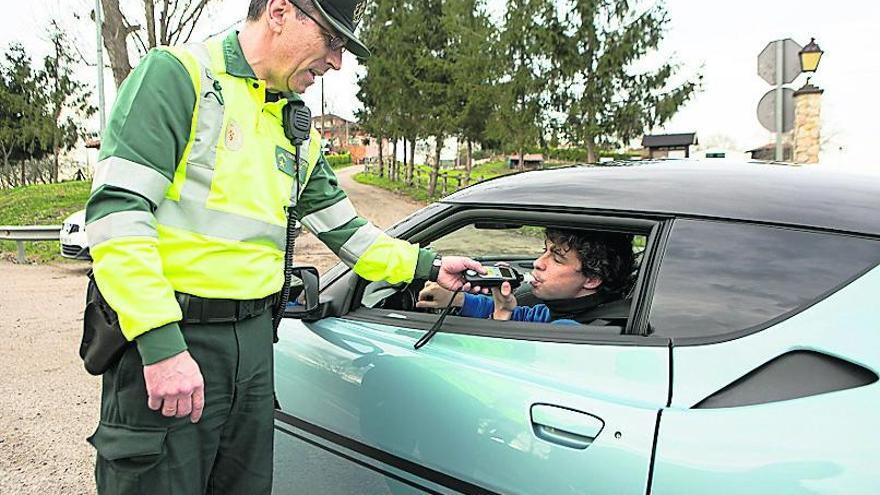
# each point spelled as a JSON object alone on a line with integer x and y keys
{"x": 477, "y": 306}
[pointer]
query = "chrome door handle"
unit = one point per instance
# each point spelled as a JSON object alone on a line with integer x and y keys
{"x": 565, "y": 427}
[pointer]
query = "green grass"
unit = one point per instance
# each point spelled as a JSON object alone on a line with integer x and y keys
{"x": 42, "y": 204}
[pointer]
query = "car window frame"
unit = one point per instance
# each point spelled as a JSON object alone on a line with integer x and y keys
{"x": 653, "y": 227}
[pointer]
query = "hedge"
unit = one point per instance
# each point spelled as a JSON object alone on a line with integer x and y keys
{"x": 340, "y": 160}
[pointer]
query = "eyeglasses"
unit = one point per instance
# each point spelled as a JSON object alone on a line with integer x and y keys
{"x": 334, "y": 42}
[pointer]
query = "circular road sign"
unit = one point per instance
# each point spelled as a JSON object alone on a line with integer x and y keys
{"x": 767, "y": 110}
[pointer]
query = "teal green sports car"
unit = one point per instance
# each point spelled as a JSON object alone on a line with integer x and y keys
{"x": 742, "y": 358}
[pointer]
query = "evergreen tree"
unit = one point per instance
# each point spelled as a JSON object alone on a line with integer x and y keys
{"x": 386, "y": 90}
{"x": 594, "y": 45}
{"x": 23, "y": 121}
{"x": 472, "y": 41}
{"x": 520, "y": 83}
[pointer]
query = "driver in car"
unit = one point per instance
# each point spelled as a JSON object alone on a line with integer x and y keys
{"x": 577, "y": 272}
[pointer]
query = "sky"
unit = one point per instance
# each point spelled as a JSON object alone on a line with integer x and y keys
{"x": 719, "y": 39}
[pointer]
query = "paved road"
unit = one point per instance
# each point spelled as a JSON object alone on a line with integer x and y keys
{"x": 48, "y": 404}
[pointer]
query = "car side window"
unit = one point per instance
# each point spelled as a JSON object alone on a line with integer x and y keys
{"x": 717, "y": 278}
{"x": 520, "y": 246}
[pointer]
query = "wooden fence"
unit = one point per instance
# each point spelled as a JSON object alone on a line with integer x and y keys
{"x": 447, "y": 182}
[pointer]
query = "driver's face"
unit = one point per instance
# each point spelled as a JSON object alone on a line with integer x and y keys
{"x": 557, "y": 274}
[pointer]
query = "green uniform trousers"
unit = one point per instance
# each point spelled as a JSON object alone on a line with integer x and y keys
{"x": 228, "y": 452}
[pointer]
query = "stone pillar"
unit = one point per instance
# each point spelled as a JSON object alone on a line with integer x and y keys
{"x": 805, "y": 137}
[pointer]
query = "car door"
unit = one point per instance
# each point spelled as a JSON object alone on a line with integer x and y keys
{"x": 484, "y": 407}
{"x": 775, "y": 361}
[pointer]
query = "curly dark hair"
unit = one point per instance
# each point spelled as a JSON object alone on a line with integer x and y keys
{"x": 606, "y": 255}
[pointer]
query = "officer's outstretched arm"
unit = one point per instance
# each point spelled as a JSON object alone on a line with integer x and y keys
{"x": 328, "y": 213}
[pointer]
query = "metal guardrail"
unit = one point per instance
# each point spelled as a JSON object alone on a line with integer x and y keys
{"x": 26, "y": 233}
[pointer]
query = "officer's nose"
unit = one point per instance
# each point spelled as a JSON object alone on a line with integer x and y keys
{"x": 334, "y": 59}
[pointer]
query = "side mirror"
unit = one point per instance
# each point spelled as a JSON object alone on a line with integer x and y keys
{"x": 304, "y": 304}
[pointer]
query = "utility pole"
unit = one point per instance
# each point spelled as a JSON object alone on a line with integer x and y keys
{"x": 322, "y": 113}
{"x": 100, "y": 37}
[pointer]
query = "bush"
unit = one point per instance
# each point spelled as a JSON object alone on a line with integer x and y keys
{"x": 339, "y": 160}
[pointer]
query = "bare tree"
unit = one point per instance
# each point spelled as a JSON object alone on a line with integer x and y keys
{"x": 166, "y": 22}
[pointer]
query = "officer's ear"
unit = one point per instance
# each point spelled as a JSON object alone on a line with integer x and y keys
{"x": 277, "y": 13}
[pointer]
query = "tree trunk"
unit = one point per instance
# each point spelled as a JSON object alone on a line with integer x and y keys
{"x": 394, "y": 160}
{"x": 522, "y": 162}
{"x": 412, "y": 156}
{"x": 435, "y": 168}
{"x": 150, "y": 14}
{"x": 23, "y": 178}
{"x": 381, "y": 168}
{"x": 468, "y": 163}
{"x": 591, "y": 150}
{"x": 115, "y": 31}
{"x": 55, "y": 165}
{"x": 406, "y": 173}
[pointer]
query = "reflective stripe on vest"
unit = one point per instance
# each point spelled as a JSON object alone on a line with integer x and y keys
{"x": 190, "y": 212}
{"x": 130, "y": 176}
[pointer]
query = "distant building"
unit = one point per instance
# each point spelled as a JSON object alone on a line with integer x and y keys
{"x": 668, "y": 145}
{"x": 338, "y": 133}
{"x": 532, "y": 160}
{"x": 768, "y": 152}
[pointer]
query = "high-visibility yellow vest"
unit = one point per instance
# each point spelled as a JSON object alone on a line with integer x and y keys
{"x": 225, "y": 209}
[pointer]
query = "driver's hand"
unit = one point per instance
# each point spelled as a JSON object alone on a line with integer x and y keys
{"x": 505, "y": 302}
{"x": 434, "y": 296}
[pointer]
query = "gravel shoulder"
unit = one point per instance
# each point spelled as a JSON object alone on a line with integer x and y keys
{"x": 48, "y": 403}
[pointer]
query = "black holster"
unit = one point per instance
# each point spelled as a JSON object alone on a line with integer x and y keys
{"x": 102, "y": 342}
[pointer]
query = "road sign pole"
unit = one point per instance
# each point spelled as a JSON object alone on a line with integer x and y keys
{"x": 780, "y": 80}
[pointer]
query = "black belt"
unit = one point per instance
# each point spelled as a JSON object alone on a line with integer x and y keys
{"x": 200, "y": 310}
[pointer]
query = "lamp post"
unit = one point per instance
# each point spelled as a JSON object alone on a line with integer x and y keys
{"x": 810, "y": 56}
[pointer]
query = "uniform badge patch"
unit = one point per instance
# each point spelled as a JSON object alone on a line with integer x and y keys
{"x": 284, "y": 160}
{"x": 234, "y": 137}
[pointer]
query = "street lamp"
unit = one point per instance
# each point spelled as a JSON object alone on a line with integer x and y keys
{"x": 810, "y": 56}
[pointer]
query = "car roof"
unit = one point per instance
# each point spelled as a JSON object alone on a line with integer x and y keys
{"x": 750, "y": 191}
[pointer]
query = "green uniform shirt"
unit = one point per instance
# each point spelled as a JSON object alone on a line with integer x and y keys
{"x": 150, "y": 124}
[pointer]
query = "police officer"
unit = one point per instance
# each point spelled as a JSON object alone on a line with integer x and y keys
{"x": 186, "y": 225}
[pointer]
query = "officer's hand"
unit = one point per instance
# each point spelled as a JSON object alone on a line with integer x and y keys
{"x": 505, "y": 302}
{"x": 434, "y": 296}
{"x": 451, "y": 276}
{"x": 176, "y": 385}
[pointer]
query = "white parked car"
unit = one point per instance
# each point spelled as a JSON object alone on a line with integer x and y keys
{"x": 73, "y": 237}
